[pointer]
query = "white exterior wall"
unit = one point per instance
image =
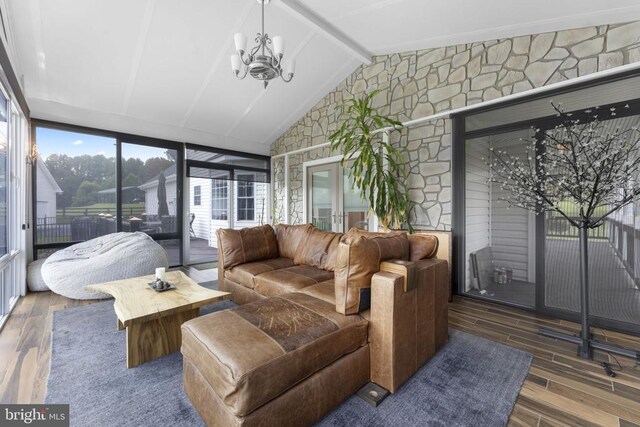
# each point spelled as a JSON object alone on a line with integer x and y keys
{"x": 478, "y": 200}
{"x": 202, "y": 221}
{"x": 260, "y": 205}
{"x": 45, "y": 195}
{"x": 151, "y": 197}
{"x": 203, "y": 225}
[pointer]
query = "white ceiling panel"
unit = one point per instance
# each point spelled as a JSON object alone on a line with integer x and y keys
{"x": 182, "y": 45}
{"x": 87, "y": 50}
{"x": 389, "y": 26}
{"x": 161, "y": 67}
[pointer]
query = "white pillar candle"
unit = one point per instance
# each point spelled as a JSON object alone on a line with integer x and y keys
{"x": 160, "y": 274}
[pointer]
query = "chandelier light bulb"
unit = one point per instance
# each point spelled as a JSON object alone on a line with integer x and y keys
{"x": 278, "y": 45}
{"x": 235, "y": 63}
{"x": 241, "y": 42}
{"x": 291, "y": 67}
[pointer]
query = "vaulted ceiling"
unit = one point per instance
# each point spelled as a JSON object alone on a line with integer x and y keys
{"x": 161, "y": 67}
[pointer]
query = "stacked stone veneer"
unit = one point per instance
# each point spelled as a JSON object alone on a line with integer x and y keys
{"x": 419, "y": 83}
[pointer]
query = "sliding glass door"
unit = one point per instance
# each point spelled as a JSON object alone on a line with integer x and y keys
{"x": 227, "y": 190}
{"x": 150, "y": 194}
{"x": 510, "y": 255}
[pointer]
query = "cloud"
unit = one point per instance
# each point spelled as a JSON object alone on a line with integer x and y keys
{"x": 101, "y": 153}
{"x": 77, "y": 142}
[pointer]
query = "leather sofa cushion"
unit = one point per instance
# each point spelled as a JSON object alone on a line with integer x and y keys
{"x": 245, "y": 274}
{"x": 313, "y": 250}
{"x": 246, "y": 245}
{"x": 290, "y": 279}
{"x": 329, "y": 262}
{"x": 422, "y": 246}
{"x": 324, "y": 291}
{"x": 289, "y": 238}
{"x": 359, "y": 256}
{"x": 251, "y": 354}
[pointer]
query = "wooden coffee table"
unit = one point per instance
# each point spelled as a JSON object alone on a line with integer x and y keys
{"x": 153, "y": 319}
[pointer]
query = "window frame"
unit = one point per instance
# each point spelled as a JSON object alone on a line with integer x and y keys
{"x": 197, "y": 195}
{"x": 121, "y": 138}
{"x": 218, "y": 185}
{"x": 249, "y": 184}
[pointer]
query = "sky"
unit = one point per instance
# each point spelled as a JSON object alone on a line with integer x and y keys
{"x": 53, "y": 141}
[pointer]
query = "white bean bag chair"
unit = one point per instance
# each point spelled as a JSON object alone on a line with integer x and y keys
{"x": 103, "y": 259}
{"x": 35, "y": 282}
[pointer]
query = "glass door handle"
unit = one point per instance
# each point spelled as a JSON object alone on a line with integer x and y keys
{"x": 340, "y": 215}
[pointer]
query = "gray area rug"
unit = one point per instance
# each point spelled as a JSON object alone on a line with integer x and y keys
{"x": 471, "y": 382}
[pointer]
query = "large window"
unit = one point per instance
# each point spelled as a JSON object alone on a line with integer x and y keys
{"x": 75, "y": 187}
{"x": 513, "y": 256}
{"x": 90, "y": 183}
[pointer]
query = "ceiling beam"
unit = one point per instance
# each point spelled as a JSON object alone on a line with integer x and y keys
{"x": 325, "y": 28}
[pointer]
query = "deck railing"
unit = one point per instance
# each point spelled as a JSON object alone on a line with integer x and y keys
{"x": 625, "y": 239}
{"x": 559, "y": 227}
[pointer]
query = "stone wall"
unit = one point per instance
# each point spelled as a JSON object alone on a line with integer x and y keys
{"x": 419, "y": 83}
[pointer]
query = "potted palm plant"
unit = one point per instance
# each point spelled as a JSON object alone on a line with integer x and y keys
{"x": 375, "y": 166}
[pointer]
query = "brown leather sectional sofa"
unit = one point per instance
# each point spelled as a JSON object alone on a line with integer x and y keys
{"x": 320, "y": 314}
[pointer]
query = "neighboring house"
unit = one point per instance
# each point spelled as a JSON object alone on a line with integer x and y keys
{"x": 150, "y": 189}
{"x": 48, "y": 190}
{"x": 216, "y": 203}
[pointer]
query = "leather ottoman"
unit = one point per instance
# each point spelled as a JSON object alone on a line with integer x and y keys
{"x": 251, "y": 364}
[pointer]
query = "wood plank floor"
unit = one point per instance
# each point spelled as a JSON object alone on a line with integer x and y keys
{"x": 560, "y": 388}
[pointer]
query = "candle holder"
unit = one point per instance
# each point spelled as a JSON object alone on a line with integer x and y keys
{"x": 161, "y": 286}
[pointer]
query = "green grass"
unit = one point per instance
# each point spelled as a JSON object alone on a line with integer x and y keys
{"x": 573, "y": 210}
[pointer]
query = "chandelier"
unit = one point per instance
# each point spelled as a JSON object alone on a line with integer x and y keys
{"x": 263, "y": 62}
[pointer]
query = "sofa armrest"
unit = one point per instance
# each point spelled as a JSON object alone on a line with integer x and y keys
{"x": 406, "y": 328}
{"x": 391, "y": 331}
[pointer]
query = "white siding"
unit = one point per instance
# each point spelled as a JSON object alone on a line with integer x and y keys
{"x": 151, "y": 197}
{"x": 202, "y": 220}
{"x": 45, "y": 193}
{"x": 510, "y": 237}
{"x": 477, "y": 198}
{"x": 260, "y": 205}
{"x": 489, "y": 222}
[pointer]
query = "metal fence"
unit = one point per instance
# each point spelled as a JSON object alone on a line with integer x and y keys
{"x": 80, "y": 228}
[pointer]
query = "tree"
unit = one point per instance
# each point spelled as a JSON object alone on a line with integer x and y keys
{"x": 583, "y": 160}
{"x": 153, "y": 166}
{"x": 87, "y": 194}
